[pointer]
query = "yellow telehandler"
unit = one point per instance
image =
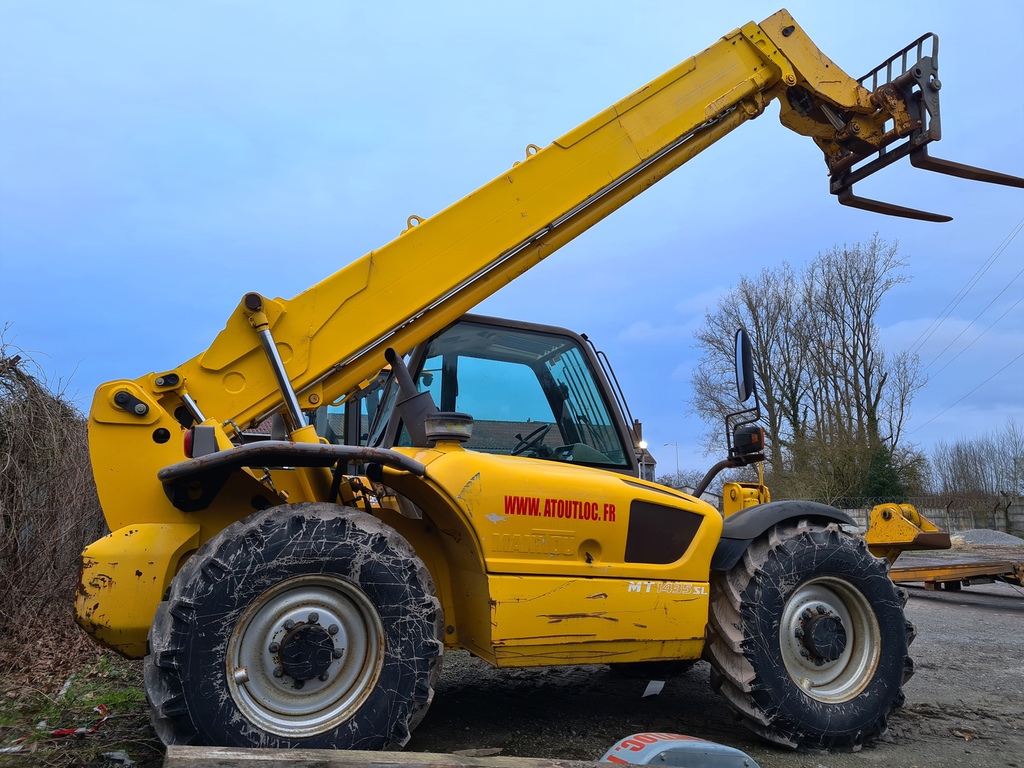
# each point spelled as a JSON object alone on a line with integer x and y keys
{"x": 344, "y": 484}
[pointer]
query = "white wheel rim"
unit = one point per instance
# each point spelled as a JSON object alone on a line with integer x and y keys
{"x": 840, "y": 668}
{"x": 336, "y": 614}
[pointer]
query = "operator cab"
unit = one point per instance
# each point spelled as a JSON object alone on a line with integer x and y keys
{"x": 532, "y": 390}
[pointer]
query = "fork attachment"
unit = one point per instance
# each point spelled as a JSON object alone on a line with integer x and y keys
{"x": 905, "y": 90}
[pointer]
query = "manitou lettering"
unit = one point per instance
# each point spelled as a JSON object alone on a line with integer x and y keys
{"x": 536, "y": 543}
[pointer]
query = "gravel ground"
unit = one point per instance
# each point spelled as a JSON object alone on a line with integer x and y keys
{"x": 963, "y": 708}
{"x": 986, "y": 537}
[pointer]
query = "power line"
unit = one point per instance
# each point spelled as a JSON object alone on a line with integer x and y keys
{"x": 968, "y": 326}
{"x": 1008, "y": 310}
{"x": 986, "y": 381}
{"x": 955, "y": 301}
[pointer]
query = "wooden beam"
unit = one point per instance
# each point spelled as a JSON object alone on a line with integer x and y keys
{"x": 230, "y": 757}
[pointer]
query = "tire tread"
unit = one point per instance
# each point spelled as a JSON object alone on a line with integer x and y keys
{"x": 730, "y": 646}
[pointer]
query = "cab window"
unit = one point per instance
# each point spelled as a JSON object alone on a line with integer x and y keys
{"x": 529, "y": 393}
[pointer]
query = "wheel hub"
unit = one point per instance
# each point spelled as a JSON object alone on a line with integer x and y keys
{"x": 829, "y": 639}
{"x": 825, "y": 637}
{"x": 307, "y": 652}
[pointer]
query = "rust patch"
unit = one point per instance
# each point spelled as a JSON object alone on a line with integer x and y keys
{"x": 101, "y": 581}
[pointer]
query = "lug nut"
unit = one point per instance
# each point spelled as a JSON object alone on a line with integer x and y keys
{"x": 274, "y": 647}
{"x": 806, "y": 615}
{"x": 822, "y": 610}
{"x": 299, "y": 684}
{"x": 278, "y": 671}
{"x": 323, "y": 678}
{"x": 289, "y": 625}
{"x": 799, "y": 632}
{"x": 313, "y": 618}
{"x": 338, "y": 653}
{"x": 333, "y": 629}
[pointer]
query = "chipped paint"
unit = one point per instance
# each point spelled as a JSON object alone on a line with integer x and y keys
{"x": 122, "y": 579}
{"x": 555, "y": 618}
{"x": 471, "y": 493}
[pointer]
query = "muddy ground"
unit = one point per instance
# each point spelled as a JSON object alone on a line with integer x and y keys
{"x": 965, "y": 703}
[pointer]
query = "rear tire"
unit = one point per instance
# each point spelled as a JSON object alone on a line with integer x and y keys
{"x": 305, "y": 626}
{"x": 809, "y": 644}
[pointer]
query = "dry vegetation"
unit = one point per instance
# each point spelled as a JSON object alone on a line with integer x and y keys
{"x": 48, "y": 513}
{"x": 53, "y": 679}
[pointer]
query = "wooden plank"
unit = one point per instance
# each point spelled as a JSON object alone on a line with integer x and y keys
{"x": 231, "y": 757}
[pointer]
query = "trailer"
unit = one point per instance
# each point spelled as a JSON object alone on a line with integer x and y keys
{"x": 961, "y": 567}
{"x": 920, "y": 552}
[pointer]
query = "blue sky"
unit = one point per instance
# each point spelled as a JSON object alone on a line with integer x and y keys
{"x": 158, "y": 160}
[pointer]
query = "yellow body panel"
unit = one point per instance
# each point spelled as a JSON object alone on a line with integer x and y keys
{"x": 541, "y": 620}
{"x": 527, "y": 540}
{"x": 124, "y": 576}
{"x": 532, "y": 516}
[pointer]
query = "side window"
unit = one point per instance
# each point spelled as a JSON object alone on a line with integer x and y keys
{"x": 530, "y": 393}
{"x": 349, "y": 424}
{"x": 507, "y": 403}
{"x": 584, "y": 406}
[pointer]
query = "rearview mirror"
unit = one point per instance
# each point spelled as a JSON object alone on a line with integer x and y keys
{"x": 744, "y": 366}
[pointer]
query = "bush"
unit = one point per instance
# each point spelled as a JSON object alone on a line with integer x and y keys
{"x": 48, "y": 512}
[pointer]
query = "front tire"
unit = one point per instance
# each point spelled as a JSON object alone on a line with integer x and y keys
{"x": 305, "y": 626}
{"x": 809, "y": 644}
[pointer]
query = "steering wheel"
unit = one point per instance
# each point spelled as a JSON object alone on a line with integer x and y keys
{"x": 533, "y": 441}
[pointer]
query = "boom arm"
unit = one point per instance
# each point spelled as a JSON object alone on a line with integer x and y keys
{"x": 330, "y": 339}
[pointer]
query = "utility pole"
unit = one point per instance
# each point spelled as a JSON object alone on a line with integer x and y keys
{"x": 677, "y": 458}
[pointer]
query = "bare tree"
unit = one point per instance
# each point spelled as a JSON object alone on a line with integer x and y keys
{"x": 831, "y": 399}
{"x": 769, "y": 307}
{"x": 988, "y": 466}
{"x": 847, "y": 286}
